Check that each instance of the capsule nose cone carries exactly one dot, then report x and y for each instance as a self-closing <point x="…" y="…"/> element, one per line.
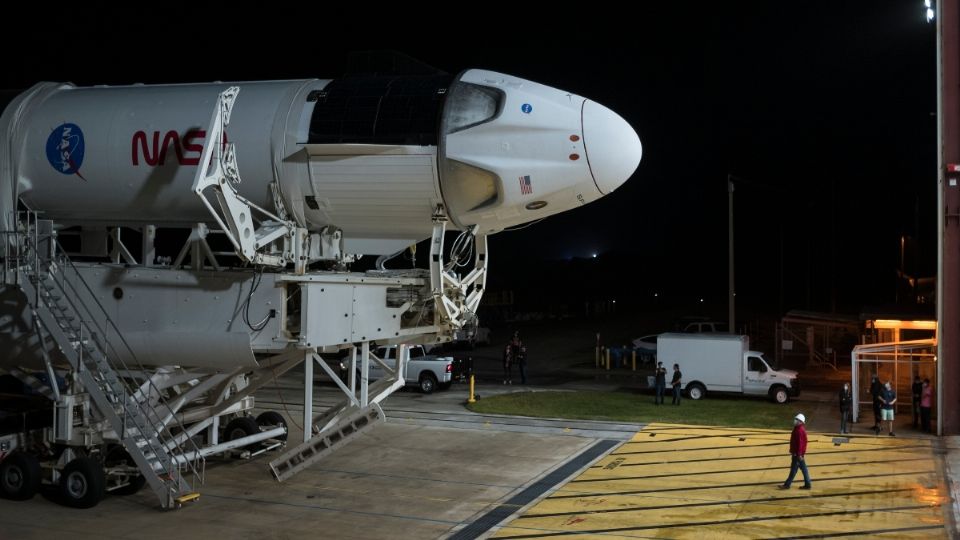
<point x="613" y="148"/>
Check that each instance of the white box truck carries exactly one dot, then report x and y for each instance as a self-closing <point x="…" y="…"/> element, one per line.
<point x="724" y="363"/>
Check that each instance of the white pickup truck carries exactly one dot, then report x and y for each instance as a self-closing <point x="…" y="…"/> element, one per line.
<point x="424" y="370"/>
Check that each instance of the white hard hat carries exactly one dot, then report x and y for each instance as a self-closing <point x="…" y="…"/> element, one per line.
<point x="800" y="417"/>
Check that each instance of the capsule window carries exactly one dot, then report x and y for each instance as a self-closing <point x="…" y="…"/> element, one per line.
<point x="467" y="188"/>
<point x="469" y="105"/>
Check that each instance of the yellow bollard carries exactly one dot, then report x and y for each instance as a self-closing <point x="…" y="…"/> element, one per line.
<point x="634" y="358"/>
<point x="608" y="359"/>
<point x="471" y="399"/>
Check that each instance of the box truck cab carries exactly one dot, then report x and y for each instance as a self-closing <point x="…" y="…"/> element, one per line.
<point x="724" y="363"/>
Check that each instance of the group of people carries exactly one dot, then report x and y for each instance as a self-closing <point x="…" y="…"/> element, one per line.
<point x="884" y="399"/>
<point x="660" y="383"/>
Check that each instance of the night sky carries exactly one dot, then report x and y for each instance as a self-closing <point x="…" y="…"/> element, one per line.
<point x="823" y="110"/>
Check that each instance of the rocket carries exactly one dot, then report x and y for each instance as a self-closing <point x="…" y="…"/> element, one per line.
<point x="153" y="352"/>
<point x="373" y="156"/>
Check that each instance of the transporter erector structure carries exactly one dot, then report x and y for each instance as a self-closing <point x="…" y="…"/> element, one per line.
<point x="147" y="355"/>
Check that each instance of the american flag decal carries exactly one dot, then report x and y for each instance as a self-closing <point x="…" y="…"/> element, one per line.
<point x="526" y="187"/>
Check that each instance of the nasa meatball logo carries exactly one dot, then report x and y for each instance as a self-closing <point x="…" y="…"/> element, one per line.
<point x="65" y="149"/>
<point x="526" y="108"/>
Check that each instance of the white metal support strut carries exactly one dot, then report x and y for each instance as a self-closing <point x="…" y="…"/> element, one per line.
<point x="456" y="298"/>
<point x="218" y="172"/>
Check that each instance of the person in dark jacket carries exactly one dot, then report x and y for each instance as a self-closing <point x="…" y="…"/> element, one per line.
<point x="507" y="365"/>
<point x="876" y="388"/>
<point x="518" y="355"/>
<point x="889" y="398"/>
<point x="916" y="390"/>
<point x="660" y="383"/>
<point x="846" y="402"/>
<point x="677" y="383"/>
<point x="798" y="448"/>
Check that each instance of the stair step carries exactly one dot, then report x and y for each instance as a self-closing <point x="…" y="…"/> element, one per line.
<point x="186" y="498"/>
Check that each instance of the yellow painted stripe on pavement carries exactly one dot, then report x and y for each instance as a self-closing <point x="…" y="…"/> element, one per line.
<point x="716" y="482"/>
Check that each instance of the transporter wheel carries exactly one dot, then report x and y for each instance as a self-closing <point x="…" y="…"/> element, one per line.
<point x="428" y="383"/>
<point x="241" y="427"/>
<point x="273" y="419"/>
<point x="82" y="483"/>
<point x="696" y="391"/>
<point x="779" y="394"/>
<point x="19" y="476"/>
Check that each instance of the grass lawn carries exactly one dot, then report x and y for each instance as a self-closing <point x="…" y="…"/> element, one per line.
<point x="631" y="407"/>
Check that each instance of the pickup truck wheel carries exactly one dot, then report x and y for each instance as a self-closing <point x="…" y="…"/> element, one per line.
<point x="696" y="391"/>
<point x="19" y="476"/>
<point x="779" y="394"/>
<point x="428" y="383"/>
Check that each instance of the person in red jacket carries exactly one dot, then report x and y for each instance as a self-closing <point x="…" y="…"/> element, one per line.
<point x="798" y="447"/>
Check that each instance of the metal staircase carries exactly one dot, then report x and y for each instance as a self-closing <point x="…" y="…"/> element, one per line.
<point x="67" y="310"/>
<point x="322" y="445"/>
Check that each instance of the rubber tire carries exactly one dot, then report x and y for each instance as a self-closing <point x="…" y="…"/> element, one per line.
<point x="19" y="476"/>
<point x="240" y="427"/>
<point x="696" y="391"/>
<point x="428" y="383"/>
<point x="82" y="483"/>
<point x="273" y="418"/>
<point x="779" y="394"/>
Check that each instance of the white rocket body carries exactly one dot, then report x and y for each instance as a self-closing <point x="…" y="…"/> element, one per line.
<point x="374" y="159"/>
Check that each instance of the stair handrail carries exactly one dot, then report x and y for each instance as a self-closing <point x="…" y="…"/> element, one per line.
<point x="70" y="291"/>
<point x="108" y="346"/>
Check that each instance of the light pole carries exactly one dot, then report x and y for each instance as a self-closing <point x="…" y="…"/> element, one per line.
<point x="730" y="284"/>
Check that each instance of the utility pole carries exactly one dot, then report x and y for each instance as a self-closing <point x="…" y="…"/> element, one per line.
<point x="731" y="290"/>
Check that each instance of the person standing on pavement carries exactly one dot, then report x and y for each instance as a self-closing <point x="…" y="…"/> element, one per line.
<point x="518" y="353"/>
<point x="889" y="397"/>
<point x="507" y="365"/>
<point x="676" y="382"/>
<point x="875" y="390"/>
<point x="660" y="383"/>
<point x="926" y="401"/>
<point x="798" y="449"/>
<point x="846" y="402"/>
<point x="916" y="390"/>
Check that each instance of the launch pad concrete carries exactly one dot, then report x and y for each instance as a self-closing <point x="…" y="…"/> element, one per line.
<point x="433" y="469"/>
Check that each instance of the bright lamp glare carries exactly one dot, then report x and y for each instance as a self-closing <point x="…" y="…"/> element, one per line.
<point x="926" y="3"/>
<point x="929" y="14"/>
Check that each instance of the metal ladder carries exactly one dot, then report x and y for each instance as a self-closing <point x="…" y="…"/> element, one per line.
<point x="326" y="442"/>
<point x="55" y="289"/>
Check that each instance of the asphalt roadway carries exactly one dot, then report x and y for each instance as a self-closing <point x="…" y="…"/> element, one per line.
<point x="436" y="470"/>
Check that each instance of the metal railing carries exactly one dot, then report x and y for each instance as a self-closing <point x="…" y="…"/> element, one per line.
<point x="101" y="330"/>
<point x="819" y="359"/>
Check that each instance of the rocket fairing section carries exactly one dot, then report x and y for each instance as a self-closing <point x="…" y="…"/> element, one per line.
<point x="372" y="156"/>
